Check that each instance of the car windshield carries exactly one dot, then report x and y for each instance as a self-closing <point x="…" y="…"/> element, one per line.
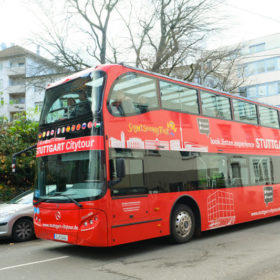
<point x="24" y="198"/>
<point x="76" y="98"/>
<point x="77" y="175"/>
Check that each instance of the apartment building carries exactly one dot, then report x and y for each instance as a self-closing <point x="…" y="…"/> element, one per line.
<point x="261" y="62"/>
<point x="23" y="77"/>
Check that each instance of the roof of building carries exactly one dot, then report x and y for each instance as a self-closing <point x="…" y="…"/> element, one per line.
<point x="17" y="51"/>
<point x="14" y="51"/>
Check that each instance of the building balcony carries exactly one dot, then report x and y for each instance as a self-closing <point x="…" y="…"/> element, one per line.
<point x="16" y="107"/>
<point x="16" y="71"/>
<point x="16" y="89"/>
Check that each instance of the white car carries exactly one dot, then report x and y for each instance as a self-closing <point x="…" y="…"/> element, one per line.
<point x="16" y="217"/>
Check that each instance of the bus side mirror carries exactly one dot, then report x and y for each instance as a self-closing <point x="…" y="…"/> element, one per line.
<point x="14" y="158"/>
<point x="120" y="168"/>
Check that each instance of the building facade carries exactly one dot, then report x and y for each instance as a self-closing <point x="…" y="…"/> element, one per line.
<point x="260" y="62"/>
<point x="23" y="77"/>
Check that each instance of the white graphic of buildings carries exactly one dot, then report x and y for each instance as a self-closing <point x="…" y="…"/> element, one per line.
<point x="156" y="145"/>
<point x="220" y="209"/>
<point x="135" y="143"/>
<point x="115" y="143"/>
<point x="175" y="145"/>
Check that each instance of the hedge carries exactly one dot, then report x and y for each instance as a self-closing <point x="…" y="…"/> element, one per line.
<point x="14" y="137"/>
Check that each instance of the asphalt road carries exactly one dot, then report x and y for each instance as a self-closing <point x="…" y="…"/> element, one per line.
<point x="248" y="251"/>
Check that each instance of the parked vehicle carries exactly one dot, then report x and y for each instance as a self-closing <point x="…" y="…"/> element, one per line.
<point x="16" y="217"/>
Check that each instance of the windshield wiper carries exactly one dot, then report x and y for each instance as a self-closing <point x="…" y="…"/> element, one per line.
<point x="58" y="194"/>
<point x="69" y="197"/>
<point x="40" y="200"/>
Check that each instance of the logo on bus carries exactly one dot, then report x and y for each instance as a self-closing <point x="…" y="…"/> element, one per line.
<point x="58" y="216"/>
<point x="268" y="195"/>
<point x="203" y="125"/>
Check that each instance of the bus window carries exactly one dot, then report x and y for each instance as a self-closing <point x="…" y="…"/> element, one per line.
<point x="215" y="105"/>
<point x="212" y="171"/>
<point x="238" y="171"/>
<point x="133" y="181"/>
<point x="245" y="112"/>
<point x="76" y="98"/>
<point x="133" y="94"/>
<point x="178" y="98"/>
<point x="268" y="117"/>
<point x="261" y="170"/>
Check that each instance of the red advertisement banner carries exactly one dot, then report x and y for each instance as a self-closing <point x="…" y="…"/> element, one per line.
<point x="61" y="146"/>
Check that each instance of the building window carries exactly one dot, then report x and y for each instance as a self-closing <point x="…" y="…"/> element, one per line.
<point x="251" y="91"/>
<point x="278" y="63"/>
<point x="271" y="65"/>
<point x="38" y="106"/>
<point x="261" y="90"/>
<point x="17" y="63"/>
<point x="272" y="88"/>
<point x="17" y="99"/>
<point x="257" y="48"/>
<point x="262" y="66"/>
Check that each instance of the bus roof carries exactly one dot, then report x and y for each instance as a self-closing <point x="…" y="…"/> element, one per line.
<point x="107" y="66"/>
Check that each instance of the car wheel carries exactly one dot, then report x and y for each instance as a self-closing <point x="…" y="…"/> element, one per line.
<point x="182" y="224"/>
<point x="23" y="230"/>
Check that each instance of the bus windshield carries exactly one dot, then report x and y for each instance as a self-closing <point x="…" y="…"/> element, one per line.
<point x="77" y="175"/>
<point x="79" y="97"/>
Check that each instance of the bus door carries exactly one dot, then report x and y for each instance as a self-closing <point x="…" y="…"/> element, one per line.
<point x="129" y="204"/>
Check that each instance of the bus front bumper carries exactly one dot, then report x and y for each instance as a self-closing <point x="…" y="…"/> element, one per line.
<point x="91" y="231"/>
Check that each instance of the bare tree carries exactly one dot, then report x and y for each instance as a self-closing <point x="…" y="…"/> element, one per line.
<point x="55" y="38"/>
<point x="168" y="37"/>
<point x="96" y="14"/>
<point x="217" y="69"/>
<point x="87" y="21"/>
<point x="170" y="40"/>
<point x="164" y="37"/>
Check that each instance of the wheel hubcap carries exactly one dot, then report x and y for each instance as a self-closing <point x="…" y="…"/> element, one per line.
<point x="23" y="230"/>
<point x="183" y="224"/>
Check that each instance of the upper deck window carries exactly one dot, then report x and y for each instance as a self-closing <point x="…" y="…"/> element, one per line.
<point x="73" y="99"/>
<point x="268" y="117"/>
<point x="245" y="112"/>
<point x="215" y="105"/>
<point x="178" y="98"/>
<point x="133" y="94"/>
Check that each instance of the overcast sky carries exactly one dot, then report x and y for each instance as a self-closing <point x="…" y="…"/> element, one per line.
<point x="248" y="19"/>
<point x="251" y="19"/>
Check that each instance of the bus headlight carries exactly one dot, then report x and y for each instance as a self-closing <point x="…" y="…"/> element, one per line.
<point x="90" y="223"/>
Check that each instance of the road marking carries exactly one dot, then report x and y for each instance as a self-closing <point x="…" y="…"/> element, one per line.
<point x="31" y="263"/>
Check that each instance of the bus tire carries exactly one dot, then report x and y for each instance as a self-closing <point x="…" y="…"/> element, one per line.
<point x="182" y="224"/>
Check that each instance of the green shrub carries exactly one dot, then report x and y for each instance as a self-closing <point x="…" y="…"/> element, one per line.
<point x="14" y="137"/>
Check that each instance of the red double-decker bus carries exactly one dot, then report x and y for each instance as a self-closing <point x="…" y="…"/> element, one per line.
<point x="126" y="155"/>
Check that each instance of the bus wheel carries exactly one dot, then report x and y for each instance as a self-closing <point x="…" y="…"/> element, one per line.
<point x="182" y="224"/>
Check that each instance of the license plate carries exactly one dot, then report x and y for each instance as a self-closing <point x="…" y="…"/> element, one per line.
<point x="62" y="237"/>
